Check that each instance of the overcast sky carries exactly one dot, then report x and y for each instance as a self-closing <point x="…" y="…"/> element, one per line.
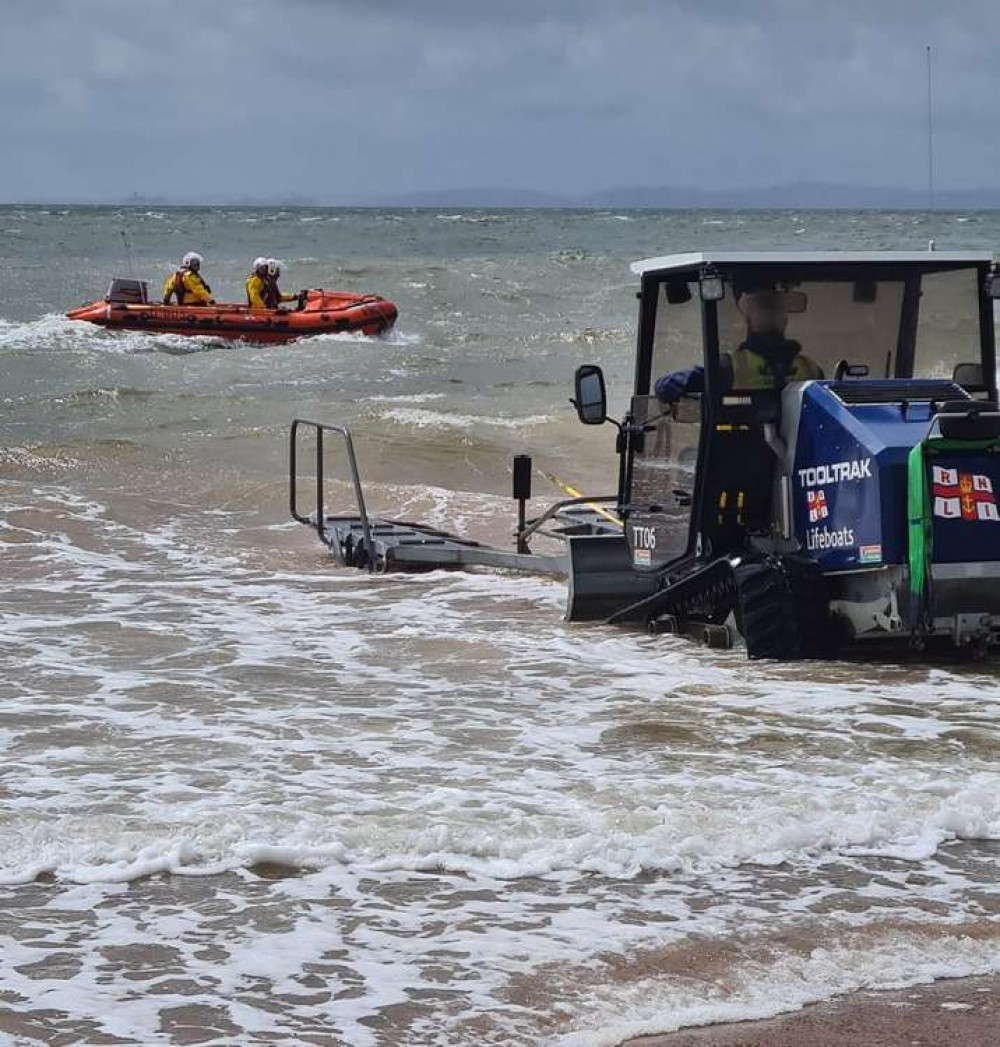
<point x="342" y="100"/>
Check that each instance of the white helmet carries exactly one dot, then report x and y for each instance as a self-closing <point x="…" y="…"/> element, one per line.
<point x="273" y="269"/>
<point x="260" y="265"/>
<point x="192" y="260"/>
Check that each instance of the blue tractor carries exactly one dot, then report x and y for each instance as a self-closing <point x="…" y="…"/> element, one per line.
<point x="811" y="457"/>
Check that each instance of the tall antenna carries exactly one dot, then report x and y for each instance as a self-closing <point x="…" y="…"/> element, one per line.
<point x="129" y="260"/>
<point x="930" y="135"/>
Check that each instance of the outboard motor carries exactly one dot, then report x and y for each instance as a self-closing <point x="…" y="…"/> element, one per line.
<point x="126" y="291"/>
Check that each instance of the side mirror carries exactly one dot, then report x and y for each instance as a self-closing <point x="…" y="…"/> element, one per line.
<point x="590" y="400"/>
<point x="992" y="285"/>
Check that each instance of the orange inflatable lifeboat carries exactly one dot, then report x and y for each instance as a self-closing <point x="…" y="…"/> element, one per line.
<point x="126" y="307"/>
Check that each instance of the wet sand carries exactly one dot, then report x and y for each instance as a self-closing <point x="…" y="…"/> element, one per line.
<point x="962" y="1011"/>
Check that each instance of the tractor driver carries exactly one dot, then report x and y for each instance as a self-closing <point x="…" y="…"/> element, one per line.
<point x="765" y="359"/>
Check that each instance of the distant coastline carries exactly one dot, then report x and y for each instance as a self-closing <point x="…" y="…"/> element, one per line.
<point x="797" y="196"/>
<point x="812" y="196"/>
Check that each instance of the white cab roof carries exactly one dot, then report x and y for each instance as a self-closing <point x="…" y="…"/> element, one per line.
<point x="669" y="262"/>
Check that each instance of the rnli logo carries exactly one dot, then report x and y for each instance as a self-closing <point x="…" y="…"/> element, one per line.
<point x="816" y="501"/>
<point x="964" y="496"/>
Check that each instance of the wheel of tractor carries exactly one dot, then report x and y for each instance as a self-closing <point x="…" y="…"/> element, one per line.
<point x="782" y="609"/>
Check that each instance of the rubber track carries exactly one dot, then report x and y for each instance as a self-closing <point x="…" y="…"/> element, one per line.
<point x="782" y="609"/>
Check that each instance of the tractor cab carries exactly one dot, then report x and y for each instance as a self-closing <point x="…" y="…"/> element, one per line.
<point x="780" y="454"/>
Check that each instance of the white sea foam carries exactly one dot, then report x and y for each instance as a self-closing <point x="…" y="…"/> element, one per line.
<point x="394" y="336"/>
<point x="57" y="333"/>
<point x="746" y="812"/>
<point x="422" y="419"/>
<point x="405" y="398"/>
<point x="489" y="790"/>
<point x="53" y="331"/>
<point x="784" y="983"/>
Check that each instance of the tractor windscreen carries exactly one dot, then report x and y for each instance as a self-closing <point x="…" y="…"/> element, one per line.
<point x="773" y="331"/>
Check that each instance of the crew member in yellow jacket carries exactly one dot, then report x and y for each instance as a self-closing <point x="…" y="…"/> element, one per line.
<point x="262" y="286"/>
<point x="273" y="272"/>
<point x="765" y="359"/>
<point x="187" y="284"/>
<point x="259" y="293"/>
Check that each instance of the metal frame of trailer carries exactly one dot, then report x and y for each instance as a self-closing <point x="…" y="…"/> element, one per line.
<point x="380" y="544"/>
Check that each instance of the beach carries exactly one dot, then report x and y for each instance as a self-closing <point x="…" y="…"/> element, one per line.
<point x="965" y="1011"/>
<point x="249" y="797"/>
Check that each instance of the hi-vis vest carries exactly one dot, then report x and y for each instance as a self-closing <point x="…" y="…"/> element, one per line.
<point x="753" y="371"/>
<point x="189" y="287"/>
<point x="261" y="292"/>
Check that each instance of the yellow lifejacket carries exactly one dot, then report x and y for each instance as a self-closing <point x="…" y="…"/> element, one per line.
<point x="257" y="292"/>
<point x="189" y="288"/>
<point x="263" y="292"/>
<point x="753" y="371"/>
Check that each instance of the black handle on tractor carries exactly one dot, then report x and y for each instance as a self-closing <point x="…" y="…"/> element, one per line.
<point x="319" y="523"/>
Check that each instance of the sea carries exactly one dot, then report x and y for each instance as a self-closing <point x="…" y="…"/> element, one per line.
<point x="249" y="798"/>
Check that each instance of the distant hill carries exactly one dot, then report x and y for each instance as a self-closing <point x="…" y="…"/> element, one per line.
<point x="794" y="196"/>
<point x="485" y="198"/>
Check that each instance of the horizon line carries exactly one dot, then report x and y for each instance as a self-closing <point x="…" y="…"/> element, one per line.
<point x="942" y="207"/>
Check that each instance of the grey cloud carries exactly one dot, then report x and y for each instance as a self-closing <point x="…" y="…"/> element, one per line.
<point x="341" y="99"/>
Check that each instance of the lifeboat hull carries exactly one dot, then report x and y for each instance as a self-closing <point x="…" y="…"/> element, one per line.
<point x="323" y="312"/>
